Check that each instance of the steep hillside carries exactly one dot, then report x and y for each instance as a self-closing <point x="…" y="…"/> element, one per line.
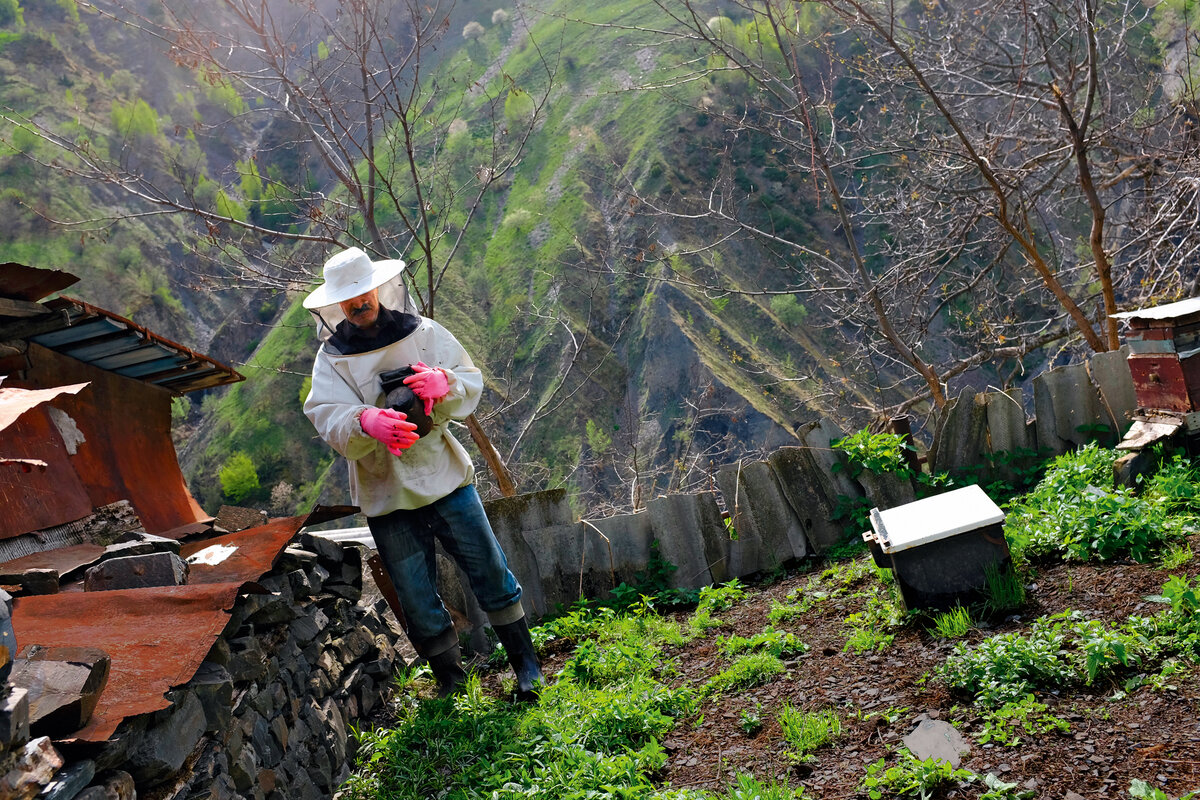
<point x="616" y="371"/>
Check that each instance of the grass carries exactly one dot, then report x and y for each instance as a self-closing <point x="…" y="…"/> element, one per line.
<point x="599" y="730"/>
<point x="807" y="731"/>
<point x="953" y="624"/>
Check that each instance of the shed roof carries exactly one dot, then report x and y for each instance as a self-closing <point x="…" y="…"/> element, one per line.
<point x="1180" y="312"/>
<point x="99" y="337"/>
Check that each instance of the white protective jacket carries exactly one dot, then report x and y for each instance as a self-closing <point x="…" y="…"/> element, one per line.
<point x="344" y="385"/>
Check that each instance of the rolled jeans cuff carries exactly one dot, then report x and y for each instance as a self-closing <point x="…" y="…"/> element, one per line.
<point x="506" y="616"/>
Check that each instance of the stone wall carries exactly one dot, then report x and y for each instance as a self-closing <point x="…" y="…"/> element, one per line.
<point x="267" y="715"/>
<point x="783" y="508"/>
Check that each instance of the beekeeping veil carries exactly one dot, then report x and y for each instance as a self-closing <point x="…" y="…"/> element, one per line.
<point x="349" y="274"/>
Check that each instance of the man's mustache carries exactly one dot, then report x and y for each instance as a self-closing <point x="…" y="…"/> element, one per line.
<point x="355" y="311"/>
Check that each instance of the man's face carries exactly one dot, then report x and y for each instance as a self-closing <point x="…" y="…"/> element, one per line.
<point x="362" y="311"/>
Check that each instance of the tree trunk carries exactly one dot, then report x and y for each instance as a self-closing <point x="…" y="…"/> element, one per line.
<point x="495" y="464"/>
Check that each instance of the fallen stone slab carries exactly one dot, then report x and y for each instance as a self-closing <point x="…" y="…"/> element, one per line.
<point x="64" y="685"/>
<point x="236" y="518"/>
<point x="64" y="560"/>
<point x="933" y="738"/>
<point x="40" y="581"/>
<point x="139" y="543"/>
<point x="136" y="572"/>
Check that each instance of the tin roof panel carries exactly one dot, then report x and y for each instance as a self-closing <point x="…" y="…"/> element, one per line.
<point x="1183" y="308"/>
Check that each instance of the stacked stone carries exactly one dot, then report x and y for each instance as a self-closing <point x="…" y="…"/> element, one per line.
<point x="267" y="715"/>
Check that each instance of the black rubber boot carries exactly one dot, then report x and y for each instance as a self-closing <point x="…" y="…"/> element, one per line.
<point x="448" y="670"/>
<point x="518" y="646"/>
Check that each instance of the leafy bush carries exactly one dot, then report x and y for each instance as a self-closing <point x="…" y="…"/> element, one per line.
<point x="777" y="643"/>
<point x="1026" y="715"/>
<point x="1070" y="514"/>
<point x="1061" y="650"/>
<point x="239" y="478"/>
<point x="912" y="777"/>
<point x="134" y="119"/>
<point x="880" y="453"/>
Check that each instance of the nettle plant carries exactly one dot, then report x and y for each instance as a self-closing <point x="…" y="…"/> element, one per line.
<point x="1075" y="513"/>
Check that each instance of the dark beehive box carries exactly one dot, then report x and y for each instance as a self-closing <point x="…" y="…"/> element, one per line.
<point x="941" y="548"/>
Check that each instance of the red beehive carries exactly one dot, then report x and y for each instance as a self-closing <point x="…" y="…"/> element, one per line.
<point x="1164" y="361"/>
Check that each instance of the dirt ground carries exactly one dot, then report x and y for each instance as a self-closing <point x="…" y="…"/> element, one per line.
<point x="1154" y="736"/>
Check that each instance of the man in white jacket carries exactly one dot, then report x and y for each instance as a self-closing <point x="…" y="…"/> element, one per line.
<point x="412" y="488"/>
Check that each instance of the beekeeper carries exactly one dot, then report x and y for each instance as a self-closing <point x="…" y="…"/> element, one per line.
<point x="412" y="488"/>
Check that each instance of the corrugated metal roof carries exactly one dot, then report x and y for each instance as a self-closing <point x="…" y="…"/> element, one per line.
<point x="1182" y="308"/>
<point x="115" y="344"/>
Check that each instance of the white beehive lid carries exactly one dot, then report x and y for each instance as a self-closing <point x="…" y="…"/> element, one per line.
<point x="933" y="518"/>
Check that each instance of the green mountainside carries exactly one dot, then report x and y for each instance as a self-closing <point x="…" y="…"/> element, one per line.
<point x="661" y="381"/>
<point x="613" y="366"/>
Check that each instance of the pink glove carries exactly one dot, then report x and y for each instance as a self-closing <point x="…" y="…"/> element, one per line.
<point x="430" y="384"/>
<point x="390" y="427"/>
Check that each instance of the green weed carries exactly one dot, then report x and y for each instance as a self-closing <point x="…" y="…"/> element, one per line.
<point x="1141" y="790"/>
<point x="911" y="777"/>
<point x="748" y="671"/>
<point x="1070" y="513"/>
<point x="750" y="720"/>
<point x="1175" y="556"/>
<point x="953" y="624"/>
<point x="1005" y="724"/>
<point x="1003" y="590"/>
<point x="1061" y="650"/>
<point x="721" y="598"/>
<point x="807" y="731"/>
<point x="880" y="453"/>
<point x="778" y="643"/>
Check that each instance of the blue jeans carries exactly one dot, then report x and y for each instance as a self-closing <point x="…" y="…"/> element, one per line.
<point x="405" y="540"/>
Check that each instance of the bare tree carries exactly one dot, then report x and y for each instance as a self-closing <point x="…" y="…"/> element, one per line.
<point x="349" y="137"/>
<point x="990" y="175"/>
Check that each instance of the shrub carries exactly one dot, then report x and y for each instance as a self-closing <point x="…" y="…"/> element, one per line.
<point x="134" y="119"/>
<point x="239" y="478"/>
<point x="1070" y="514"/>
<point x="789" y="310"/>
<point x="880" y="453"/>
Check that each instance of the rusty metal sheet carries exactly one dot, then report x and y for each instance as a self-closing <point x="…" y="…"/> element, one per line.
<point x="14" y="402"/>
<point x="156" y="638"/>
<point x="20" y="282"/>
<point x="254" y="552"/>
<point x="127" y="453"/>
<point x="31" y="501"/>
<point x="95" y="335"/>
<point x="1159" y="382"/>
<point x="64" y="560"/>
<point x="191" y="529"/>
